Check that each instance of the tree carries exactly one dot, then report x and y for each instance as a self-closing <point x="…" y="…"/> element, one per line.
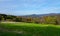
<point x="29" y="20"/>
<point x="58" y="19"/>
<point x="0" y="19"/>
<point x="56" y="22"/>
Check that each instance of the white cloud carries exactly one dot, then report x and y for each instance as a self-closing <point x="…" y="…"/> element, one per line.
<point x="24" y="7"/>
<point x="27" y="12"/>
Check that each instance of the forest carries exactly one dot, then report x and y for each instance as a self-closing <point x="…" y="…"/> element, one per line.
<point x="50" y="19"/>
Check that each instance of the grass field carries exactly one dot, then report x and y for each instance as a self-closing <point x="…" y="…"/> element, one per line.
<point x="28" y="29"/>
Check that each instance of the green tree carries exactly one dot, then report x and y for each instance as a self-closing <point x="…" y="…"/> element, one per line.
<point x="0" y="19"/>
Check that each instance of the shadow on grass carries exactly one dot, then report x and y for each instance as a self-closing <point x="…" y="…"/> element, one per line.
<point x="31" y="31"/>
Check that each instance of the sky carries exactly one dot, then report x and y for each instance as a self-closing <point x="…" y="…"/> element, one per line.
<point x="27" y="7"/>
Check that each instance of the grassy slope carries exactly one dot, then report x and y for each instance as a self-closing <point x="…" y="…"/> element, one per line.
<point x="28" y="29"/>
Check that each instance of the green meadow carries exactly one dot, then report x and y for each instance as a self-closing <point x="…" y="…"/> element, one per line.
<point x="29" y="29"/>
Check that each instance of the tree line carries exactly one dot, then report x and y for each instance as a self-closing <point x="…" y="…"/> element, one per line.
<point x="43" y="19"/>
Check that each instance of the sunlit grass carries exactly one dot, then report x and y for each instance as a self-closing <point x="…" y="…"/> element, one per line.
<point x="29" y="29"/>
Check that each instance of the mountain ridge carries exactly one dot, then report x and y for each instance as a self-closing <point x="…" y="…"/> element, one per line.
<point x="40" y="15"/>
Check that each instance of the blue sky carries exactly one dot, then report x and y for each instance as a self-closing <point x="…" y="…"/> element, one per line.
<point x="26" y="7"/>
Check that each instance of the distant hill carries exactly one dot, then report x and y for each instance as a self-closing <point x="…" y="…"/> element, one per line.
<point x="34" y="15"/>
<point x="40" y="15"/>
